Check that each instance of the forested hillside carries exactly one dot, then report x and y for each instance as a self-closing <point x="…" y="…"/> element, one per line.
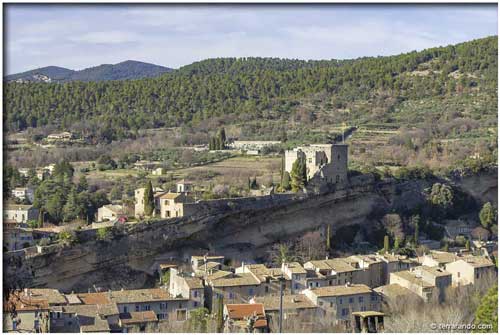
<point x="406" y="89"/>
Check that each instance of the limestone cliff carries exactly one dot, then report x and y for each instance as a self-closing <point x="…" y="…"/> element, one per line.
<point x="237" y="228"/>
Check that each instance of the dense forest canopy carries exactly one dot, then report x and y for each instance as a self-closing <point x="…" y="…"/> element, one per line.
<point x="373" y="89"/>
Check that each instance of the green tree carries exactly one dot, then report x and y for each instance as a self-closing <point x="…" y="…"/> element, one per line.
<point x="441" y="195"/>
<point x="220" y="314"/>
<point x="487" y="312"/>
<point x="467" y="245"/>
<point x="415" y="222"/>
<point x="396" y="243"/>
<point x="73" y="208"/>
<point x="149" y="200"/>
<point x="103" y="233"/>
<point x="298" y="174"/>
<point x="285" y="183"/>
<point x="328" y="238"/>
<point x="82" y="184"/>
<point x="198" y="320"/>
<point x="487" y="215"/>
<point x="386" y="243"/>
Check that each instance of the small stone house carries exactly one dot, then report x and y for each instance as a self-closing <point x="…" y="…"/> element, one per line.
<point x="24" y="193"/>
<point x="470" y="270"/>
<point x="187" y="287"/>
<point x="173" y="205"/>
<point x="425" y="281"/>
<point x="338" y="302"/>
<point x="110" y="212"/>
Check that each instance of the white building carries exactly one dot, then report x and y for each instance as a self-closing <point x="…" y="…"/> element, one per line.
<point x="19" y="213"/>
<point x="23" y="193"/>
<point x="110" y="212"/>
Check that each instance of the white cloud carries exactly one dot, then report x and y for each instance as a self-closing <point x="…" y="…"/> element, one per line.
<point x="106" y="37"/>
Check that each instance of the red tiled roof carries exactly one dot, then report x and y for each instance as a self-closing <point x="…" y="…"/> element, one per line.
<point x="240" y="311"/>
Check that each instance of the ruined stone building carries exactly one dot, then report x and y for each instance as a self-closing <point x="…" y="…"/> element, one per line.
<point x="326" y="161"/>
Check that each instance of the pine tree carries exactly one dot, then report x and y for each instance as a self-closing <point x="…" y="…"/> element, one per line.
<point x="149" y="200"/>
<point x="487" y="311"/>
<point x="82" y="184"/>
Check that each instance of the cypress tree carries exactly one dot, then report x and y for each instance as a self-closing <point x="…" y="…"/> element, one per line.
<point x="220" y="315"/>
<point x="149" y="200"/>
<point x="285" y="186"/>
<point x="298" y="174"/>
<point x="386" y="243"/>
<point x="328" y="245"/>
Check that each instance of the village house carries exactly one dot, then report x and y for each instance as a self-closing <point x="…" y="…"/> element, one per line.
<point x="23" y="193"/>
<point x="19" y="213"/>
<point x="184" y="186"/>
<point x="80" y="319"/>
<point x="173" y="205"/>
<point x="158" y="300"/>
<point x="438" y="258"/>
<point x="329" y="272"/>
<point x="395" y="263"/>
<point x="204" y="264"/>
<point x="139" y="200"/>
<point x="373" y="269"/>
<point x="138" y="322"/>
<point x="271" y="278"/>
<point x="471" y="270"/>
<point x="328" y="161"/>
<point x="425" y="281"/>
<point x="233" y="288"/>
<point x="296" y="274"/>
<point x="110" y="212"/>
<point x="392" y="293"/>
<point x="32" y="314"/>
<point x="248" y="318"/>
<point x="188" y="287"/>
<point x="296" y="307"/>
<point x="16" y="237"/>
<point x="338" y="302"/>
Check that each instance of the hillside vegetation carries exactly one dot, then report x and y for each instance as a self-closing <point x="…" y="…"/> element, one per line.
<point x="430" y="106"/>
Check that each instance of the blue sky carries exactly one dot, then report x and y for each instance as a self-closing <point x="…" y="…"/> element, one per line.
<point x="79" y="36"/>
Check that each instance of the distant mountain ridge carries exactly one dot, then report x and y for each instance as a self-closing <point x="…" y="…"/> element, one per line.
<point x="122" y="71"/>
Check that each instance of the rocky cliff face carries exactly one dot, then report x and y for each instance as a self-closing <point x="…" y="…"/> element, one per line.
<point x="241" y="229"/>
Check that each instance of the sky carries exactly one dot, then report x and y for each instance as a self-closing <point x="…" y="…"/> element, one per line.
<point x="81" y="36"/>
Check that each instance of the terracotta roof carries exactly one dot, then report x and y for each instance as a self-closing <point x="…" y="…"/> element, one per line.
<point x="338" y="265"/>
<point x="98" y="298"/>
<point x="290" y="302"/>
<point x="170" y="195"/>
<point x="341" y="290"/>
<point x="138" y="317"/>
<point x="218" y="274"/>
<point x="22" y="302"/>
<point x="242" y="311"/>
<point x="107" y="309"/>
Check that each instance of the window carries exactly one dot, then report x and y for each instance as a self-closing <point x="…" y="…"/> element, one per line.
<point x="195" y="304"/>
<point x="360" y="299"/>
<point x="125" y="309"/>
<point x="330" y="283"/>
<point x="146" y="307"/>
<point x="14" y="325"/>
<point x="310" y="284"/>
<point x="231" y="295"/>
<point x="250" y="291"/>
<point x="266" y="288"/>
<point x="142" y="327"/>
<point x="331" y="304"/>
<point x="195" y="294"/>
<point x="296" y="286"/>
<point x="351" y="300"/>
<point x="137" y="308"/>
<point x="345" y="311"/>
<point x="36" y="324"/>
<point x="374" y="298"/>
<point x="340" y="301"/>
<point x="337" y="178"/>
<point x="181" y="315"/>
<point x="317" y="284"/>
<point x="477" y="275"/>
<point x="163" y="305"/>
<point x="363" y="308"/>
